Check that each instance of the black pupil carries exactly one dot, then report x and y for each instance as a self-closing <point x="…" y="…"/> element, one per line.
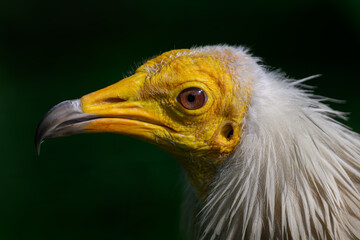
<point x="191" y="97"/>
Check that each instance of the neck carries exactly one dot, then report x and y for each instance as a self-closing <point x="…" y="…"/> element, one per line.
<point x="295" y="174"/>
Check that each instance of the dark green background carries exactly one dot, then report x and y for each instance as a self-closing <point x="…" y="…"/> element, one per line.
<point x="105" y="186"/>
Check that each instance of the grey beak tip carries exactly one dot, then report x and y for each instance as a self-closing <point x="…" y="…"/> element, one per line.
<point x="64" y="119"/>
<point x="38" y="140"/>
<point x="37" y="147"/>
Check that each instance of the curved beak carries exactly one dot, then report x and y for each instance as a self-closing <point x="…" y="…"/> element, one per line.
<point x="118" y="108"/>
<point x="66" y="118"/>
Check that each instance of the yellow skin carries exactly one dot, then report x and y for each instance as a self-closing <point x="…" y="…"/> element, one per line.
<point x="147" y="106"/>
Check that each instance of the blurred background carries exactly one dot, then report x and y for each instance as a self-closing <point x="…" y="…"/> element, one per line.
<point x="104" y="186"/>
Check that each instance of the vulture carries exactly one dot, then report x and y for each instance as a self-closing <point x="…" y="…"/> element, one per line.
<point x="263" y="155"/>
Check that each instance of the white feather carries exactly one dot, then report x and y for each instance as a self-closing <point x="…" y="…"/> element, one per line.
<point x="295" y="173"/>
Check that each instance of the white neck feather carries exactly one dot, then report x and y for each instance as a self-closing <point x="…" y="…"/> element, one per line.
<point x="295" y="174"/>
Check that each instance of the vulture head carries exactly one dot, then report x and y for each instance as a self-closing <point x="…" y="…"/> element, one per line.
<point x="264" y="157"/>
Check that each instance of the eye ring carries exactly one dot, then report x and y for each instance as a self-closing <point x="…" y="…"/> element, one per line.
<point x="192" y="98"/>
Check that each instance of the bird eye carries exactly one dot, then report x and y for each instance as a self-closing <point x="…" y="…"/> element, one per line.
<point x="192" y="98"/>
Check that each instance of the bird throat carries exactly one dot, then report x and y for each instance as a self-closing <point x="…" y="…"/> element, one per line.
<point x="200" y="173"/>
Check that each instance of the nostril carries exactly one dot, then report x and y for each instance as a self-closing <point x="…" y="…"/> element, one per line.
<point x="114" y="100"/>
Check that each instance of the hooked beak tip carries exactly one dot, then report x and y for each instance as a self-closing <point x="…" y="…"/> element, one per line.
<point x="59" y="121"/>
<point x="38" y="142"/>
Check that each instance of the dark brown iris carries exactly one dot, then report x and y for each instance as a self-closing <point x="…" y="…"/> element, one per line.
<point x="192" y="98"/>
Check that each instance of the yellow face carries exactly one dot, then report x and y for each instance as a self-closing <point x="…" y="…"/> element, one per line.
<point x="183" y="101"/>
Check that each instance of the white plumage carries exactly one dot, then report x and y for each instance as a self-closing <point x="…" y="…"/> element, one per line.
<point x="294" y="175"/>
